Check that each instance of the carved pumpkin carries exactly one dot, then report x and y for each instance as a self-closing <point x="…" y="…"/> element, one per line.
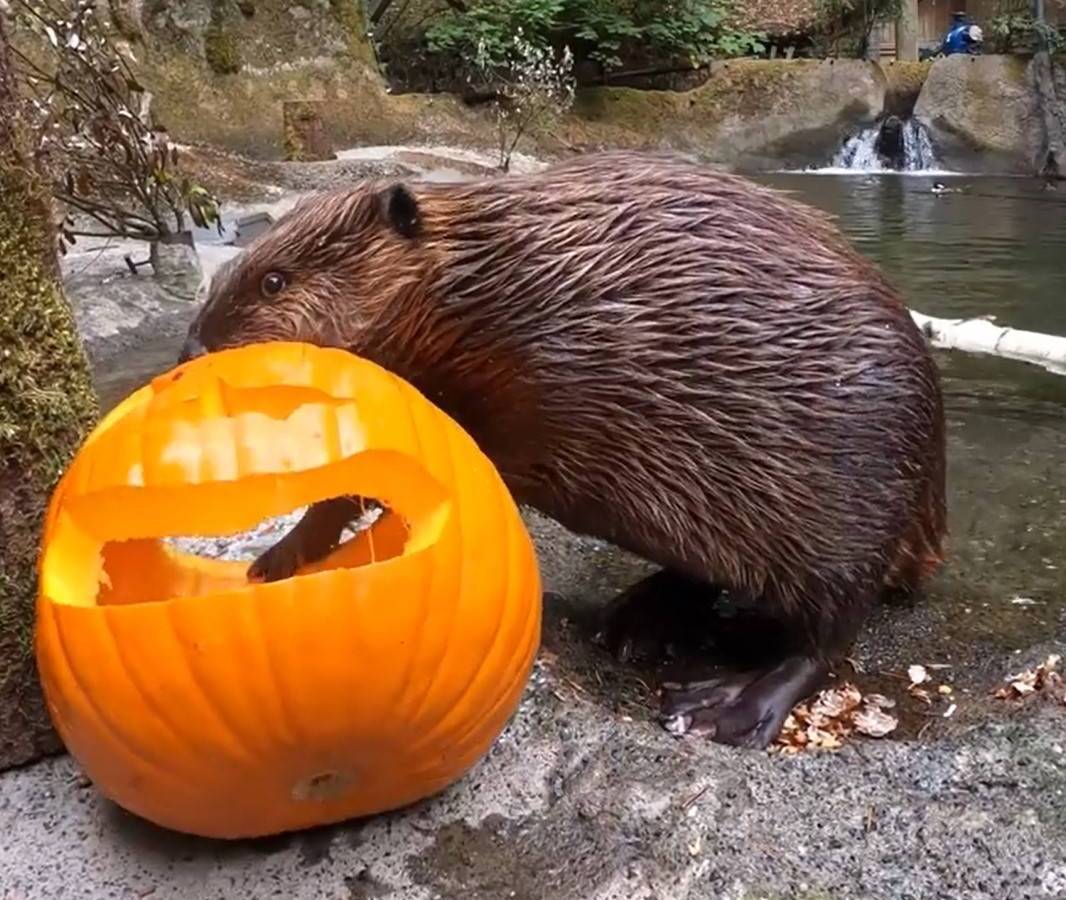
<point x="372" y="679"/>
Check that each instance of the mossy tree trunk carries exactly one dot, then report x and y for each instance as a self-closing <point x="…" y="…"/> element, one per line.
<point x="46" y="403"/>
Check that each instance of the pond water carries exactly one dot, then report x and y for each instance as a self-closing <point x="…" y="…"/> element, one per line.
<point x="997" y="248"/>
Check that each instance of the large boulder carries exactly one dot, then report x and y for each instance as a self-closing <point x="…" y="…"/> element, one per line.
<point x="983" y="114"/>
<point x="750" y="115"/>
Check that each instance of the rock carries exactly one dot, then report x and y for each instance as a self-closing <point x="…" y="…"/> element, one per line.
<point x="751" y="114"/>
<point x="116" y="309"/>
<point x="905" y="80"/>
<point x="306" y="139"/>
<point x="176" y="265"/>
<point x="46" y="405"/>
<point x="983" y="113"/>
<point x="890" y="145"/>
<point x="251" y="226"/>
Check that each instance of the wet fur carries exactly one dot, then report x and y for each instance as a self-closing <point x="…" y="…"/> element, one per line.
<point x="696" y="368"/>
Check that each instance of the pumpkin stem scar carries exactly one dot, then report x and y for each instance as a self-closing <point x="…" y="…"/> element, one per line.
<point x="323" y="786"/>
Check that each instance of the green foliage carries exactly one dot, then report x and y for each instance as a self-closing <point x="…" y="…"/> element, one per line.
<point x="489" y="28"/>
<point x="1014" y="28"/>
<point x="697" y="30"/>
<point x="533" y="88"/>
<point x="844" y="26"/>
<point x="221" y="51"/>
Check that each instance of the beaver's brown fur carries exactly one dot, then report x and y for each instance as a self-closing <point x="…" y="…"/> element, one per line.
<point x="693" y="367"/>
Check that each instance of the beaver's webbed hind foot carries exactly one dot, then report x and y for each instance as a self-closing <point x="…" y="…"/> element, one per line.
<point x="743" y="710"/>
<point x="658" y="616"/>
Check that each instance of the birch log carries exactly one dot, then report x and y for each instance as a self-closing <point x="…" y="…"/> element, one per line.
<point x="984" y="336"/>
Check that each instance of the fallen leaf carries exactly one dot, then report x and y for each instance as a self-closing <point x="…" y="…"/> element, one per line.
<point x="1022" y="601"/>
<point x="917" y="674"/>
<point x="875" y="722"/>
<point x="834" y="702"/>
<point x="921" y="694"/>
<point x="1044" y="679"/>
<point x="833" y="716"/>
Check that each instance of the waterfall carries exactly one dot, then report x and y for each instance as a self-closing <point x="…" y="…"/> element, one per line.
<point x="859" y="153"/>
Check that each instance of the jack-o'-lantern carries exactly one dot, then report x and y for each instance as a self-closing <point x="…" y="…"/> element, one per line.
<point x="225" y="707"/>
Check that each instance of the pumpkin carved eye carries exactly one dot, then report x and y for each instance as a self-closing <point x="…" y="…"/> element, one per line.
<point x="273" y="284"/>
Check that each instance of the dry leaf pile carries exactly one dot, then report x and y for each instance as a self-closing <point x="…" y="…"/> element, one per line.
<point x="924" y="688"/>
<point x="836" y="714"/>
<point x="1045" y="679"/>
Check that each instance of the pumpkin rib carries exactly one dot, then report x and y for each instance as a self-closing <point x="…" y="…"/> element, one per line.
<point x="287" y="719"/>
<point x="418" y="452"/>
<point x="441" y="424"/>
<point x="204" y="691"/>
<point x="431" y="731"/>
<point x="529" y="627"/>
<point x="431" y="682"/>
<point x="116" y="734"/>
<point x="138" y="688"/>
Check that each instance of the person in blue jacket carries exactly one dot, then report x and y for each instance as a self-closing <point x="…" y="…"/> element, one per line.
<point x="962" y="36"/>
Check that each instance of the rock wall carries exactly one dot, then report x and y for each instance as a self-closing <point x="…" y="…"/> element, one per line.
<point x="220" y="70"/>
<point x="749" y="115"/>
<point x="983" y="113"/>
<point x="905" y="82"/>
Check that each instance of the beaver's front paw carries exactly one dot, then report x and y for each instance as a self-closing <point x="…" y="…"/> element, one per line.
<point x="658" y="617"/>
<point x="279" y="562"/>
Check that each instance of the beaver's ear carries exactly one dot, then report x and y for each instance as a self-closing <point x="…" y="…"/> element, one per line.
<point x="401" y="210"/>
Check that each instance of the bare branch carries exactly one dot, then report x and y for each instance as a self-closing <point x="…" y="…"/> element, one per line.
<point x="95" y="136"/>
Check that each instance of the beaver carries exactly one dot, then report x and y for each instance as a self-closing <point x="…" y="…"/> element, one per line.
<point x="693" y="367"/>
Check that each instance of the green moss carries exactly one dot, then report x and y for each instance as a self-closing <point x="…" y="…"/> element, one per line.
<point x="351" y="15"/>
<point x="748" y="89"/>
<point x="46" y="404"/>
<point x="905" y="80"/>
<point x="635" y="118"/>
<point x="221" y="51"/>
<point x="244" y="112"/>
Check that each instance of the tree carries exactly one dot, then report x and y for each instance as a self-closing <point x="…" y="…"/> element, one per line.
<point x="46" y="405"/>
<point x="115" y="173"/>
<point x="533" y="87"/>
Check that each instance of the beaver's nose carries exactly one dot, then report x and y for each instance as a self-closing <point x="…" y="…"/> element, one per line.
<point x="191" y="349"/>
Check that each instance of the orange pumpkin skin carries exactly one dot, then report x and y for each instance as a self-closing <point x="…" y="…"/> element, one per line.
<point x="371" y="680"/>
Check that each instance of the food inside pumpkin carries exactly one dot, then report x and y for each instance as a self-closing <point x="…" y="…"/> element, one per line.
<point x="146" y="570"/>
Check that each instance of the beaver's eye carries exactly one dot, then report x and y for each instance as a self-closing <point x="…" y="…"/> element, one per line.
<point x="273" y="284"/>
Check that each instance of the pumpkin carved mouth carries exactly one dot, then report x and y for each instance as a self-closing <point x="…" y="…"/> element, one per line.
<point x="233" y="457"/>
